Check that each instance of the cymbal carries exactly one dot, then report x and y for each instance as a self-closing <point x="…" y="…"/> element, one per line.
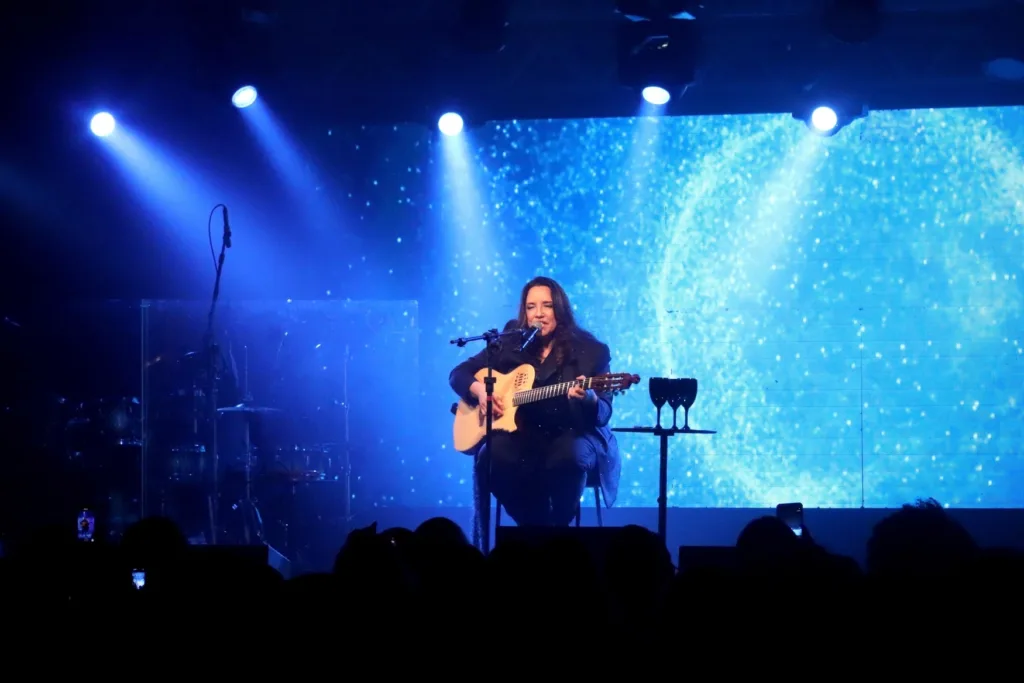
<point x="243" y="408"/>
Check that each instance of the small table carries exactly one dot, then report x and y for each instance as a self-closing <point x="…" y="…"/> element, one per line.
<point x="663" y="433"/>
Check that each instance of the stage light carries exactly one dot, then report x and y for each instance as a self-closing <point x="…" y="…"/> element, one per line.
<point x="450" y="124"/>
<point x="244" y="97"/>
<point x="824" y="119"/>
<point x="102" y="124"/>
<point x="655" y="95"/>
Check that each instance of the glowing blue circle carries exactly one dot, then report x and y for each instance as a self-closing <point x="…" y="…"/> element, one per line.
<point x="450" y="124"/>
<point x="655" y="95"/>
<point x="824" y="119"/>
<point x="244" y="97"/>
<point x="102" y="124"/>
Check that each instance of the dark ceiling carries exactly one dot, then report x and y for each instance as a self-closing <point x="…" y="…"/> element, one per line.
<point x="398" y="60"/>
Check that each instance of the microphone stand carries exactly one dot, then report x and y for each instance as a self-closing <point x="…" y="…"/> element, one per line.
<point x="213" y="380"/>
<point x="482" y="531"/>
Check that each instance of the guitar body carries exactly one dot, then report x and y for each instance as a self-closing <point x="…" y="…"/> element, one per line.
<point x="515" y="389"/>
<point x="470" y="428"/>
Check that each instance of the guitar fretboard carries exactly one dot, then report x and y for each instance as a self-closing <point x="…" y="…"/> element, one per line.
<point x="542" y="393"/>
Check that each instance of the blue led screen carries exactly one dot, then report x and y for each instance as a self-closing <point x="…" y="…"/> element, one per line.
<point x="852" y="307"/>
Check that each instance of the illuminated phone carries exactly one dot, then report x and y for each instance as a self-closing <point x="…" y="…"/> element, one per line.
<point x="86" y="525"/>
<point x="793" y="516"/>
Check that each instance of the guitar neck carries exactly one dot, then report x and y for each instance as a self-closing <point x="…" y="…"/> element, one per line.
<point x="552" y="391"/>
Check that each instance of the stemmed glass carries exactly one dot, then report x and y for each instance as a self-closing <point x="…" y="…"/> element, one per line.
<point x="658" y="388"/>
<point x="675" y="398"/>
<point x="687" y="395"/>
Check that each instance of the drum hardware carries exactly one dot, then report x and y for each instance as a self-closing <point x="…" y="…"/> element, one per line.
<point x="244" y="486"/>
<point x="251" y="520"/>
<point x="99" y="442"/>
<point x="290" y="513"/>
<point x="246" y="396"/>
<point x="248" y="413"/>
<point x="187" y="463"/>
<point x="250" y="410"/>
<point x="199" y="454"/>
<point x="98" y="430"/>
<point x="213" y="378"/>
<point x="300" y="463"/>
<point x="334" y="465"/>
<point x="335" y="459"/>
<point x="346" y="454"/>
<point x="182" y="434"/>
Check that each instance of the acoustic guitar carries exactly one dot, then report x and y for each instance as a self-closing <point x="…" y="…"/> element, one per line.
<point x="516" y="389"/>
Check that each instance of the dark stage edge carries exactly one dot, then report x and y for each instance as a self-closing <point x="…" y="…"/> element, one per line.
<point x="844" y="531"/>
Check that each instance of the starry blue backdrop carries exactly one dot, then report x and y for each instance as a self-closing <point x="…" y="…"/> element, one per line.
<point x="851" y="306"/>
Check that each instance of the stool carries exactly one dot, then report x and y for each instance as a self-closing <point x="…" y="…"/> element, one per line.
<point x="593" y="482"/>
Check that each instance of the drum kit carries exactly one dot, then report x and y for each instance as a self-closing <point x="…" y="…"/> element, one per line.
<point x="224" y="473"/>
<point x="192" y="444"/>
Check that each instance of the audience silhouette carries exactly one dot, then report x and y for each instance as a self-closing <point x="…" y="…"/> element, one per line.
<point x="531" y="589"/>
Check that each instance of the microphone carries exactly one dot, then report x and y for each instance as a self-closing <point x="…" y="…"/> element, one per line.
<point x="227" y="228"/>
<point x="529" y="333"/>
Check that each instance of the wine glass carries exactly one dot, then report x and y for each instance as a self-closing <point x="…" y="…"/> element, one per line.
<point x="675" y="397"/>
<point x="656" y="387"/>
<point x="688" y="393"/>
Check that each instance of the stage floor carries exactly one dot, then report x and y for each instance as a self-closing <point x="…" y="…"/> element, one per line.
<point x="843" y="531"/>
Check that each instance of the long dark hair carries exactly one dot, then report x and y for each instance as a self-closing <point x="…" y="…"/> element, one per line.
<point x="567" y="330"/>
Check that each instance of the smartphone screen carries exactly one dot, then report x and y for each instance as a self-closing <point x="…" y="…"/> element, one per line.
<point x="86" y="525"/>
<point x="793" y="516"/>
<point x="138" y="578"/>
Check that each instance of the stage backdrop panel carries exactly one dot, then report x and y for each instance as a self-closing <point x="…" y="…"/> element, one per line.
<point x="852" y="306"/>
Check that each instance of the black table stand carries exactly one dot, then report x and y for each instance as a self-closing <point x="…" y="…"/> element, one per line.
<point x="663" y="435"/>
<point x="482" y="531"/>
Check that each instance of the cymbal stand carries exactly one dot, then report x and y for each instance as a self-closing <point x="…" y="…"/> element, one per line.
<point x="250" y="511"/>
<point x="247" y="399"/>
<point x="246" y="505"/>
<point x="246" y="396"/>
<point x="143" y="411"/>
<point x="346" y="454"/>
<point x="345" y="467"/>
<point x="214" y="499"/>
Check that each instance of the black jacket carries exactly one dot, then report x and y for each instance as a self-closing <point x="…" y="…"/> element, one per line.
<point x="587" y="357"/>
